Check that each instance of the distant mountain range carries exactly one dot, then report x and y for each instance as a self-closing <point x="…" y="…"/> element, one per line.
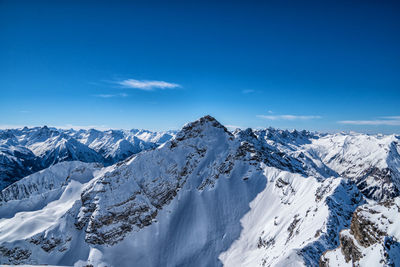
<point x="202" y="196"/>
<point x="25" y="151"/>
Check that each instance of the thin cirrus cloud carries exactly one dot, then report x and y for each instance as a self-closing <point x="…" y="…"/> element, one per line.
<point x="288" y="117"/>
<point x="111" y="95"/>
<point x="387" y="120"/>
<point x="147" y="85"/>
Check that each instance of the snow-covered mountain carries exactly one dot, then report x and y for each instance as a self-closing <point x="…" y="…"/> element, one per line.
<point x="371" y="161"/>
<point x="210" y="197"/>
<point x="25" y="151"/>
<point x="16" y="161"/>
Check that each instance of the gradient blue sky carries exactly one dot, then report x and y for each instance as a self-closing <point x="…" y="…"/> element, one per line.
<point x="317" y="65"/>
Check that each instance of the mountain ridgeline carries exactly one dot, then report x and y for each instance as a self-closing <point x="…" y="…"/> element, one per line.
<point x="28" y="150"/>
<point x="202" y="196"/>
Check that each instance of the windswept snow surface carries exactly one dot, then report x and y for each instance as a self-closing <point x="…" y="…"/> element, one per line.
<point x="209" y="197"/>
<point x="290" y="215"/>
<point x="27" y="224"/>
<point x="36" y="190"/>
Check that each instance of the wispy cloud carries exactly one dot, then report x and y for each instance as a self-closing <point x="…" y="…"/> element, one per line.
<point x="391" y="117"/>
<point x="147" y="85"/>
<point x="248" y="91"/>
<point x="388" y="120"/>
<point x="111" y="95"/>
<point x="288" y="117"/>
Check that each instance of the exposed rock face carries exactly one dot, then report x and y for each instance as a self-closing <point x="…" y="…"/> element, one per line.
<point x="365" y="231"/>
<point x="107" y="223"/>
<point x="15" y="255"/>
<point x="373" y="230"/>
<point x="109" y="217"/>
<point x="49" y="244"/>
<point x="349" y="249"/>
<point x="255" y="143"/>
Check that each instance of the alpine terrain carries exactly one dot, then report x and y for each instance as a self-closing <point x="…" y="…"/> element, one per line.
<point x="25" y="151"/>
<point x="202" y="196"/>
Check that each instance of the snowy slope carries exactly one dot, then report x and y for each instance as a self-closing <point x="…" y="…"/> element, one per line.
<point x="302" y="221"/>
<point x="39" y="187"/>
<point x="208" y="197"/>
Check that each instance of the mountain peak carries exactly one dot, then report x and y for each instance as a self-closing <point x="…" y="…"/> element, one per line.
<point x="203" y="122"/>
<point x="198" y="127"/>
<point x="208" y="118"/>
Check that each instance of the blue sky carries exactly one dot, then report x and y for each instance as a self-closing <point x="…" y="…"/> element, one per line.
<point x="317" y="65"/>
